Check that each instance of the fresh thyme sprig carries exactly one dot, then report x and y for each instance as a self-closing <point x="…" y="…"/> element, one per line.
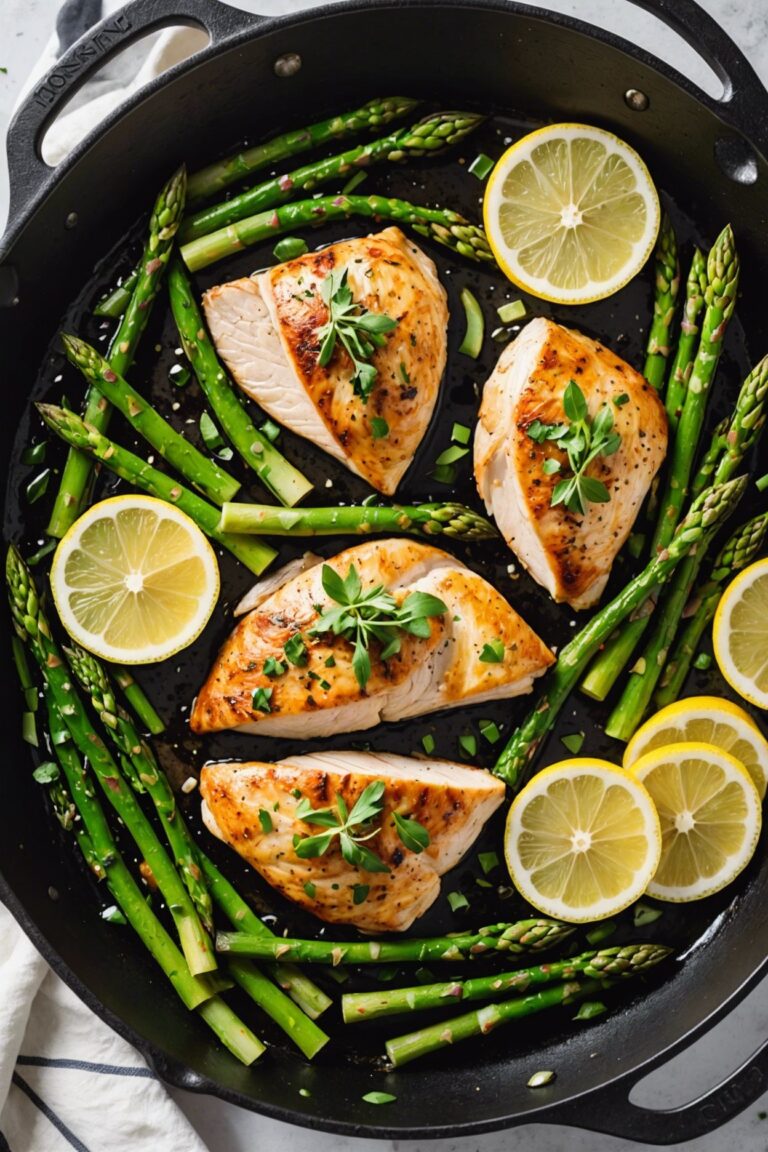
<point x="583" y="440"/>
<point x="359" y="332"/>
<point x="362" y="616"/>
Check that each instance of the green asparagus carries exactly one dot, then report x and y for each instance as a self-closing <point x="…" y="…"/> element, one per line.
<point x="616" y="963"/>
<point x="452" y="520"/>
<point x="138" y="700"/>
<point x="163" y="225"/>
<point x="115" y="302"/>
<point x="32" y="627"/>
<point x="739" y="551"/>
<point x="204" y="473"/>
<point x="375" y="114"/>
<point x="428" y="138"/>
<point x="522" y="936"/>
<point x="666" y="286"/>
<point x="440" y="224"/>
<point x="259" y="453"/>
<point x="709" y="511"/>
<point x="255" y="555"/>
<point x="688" y="340"/>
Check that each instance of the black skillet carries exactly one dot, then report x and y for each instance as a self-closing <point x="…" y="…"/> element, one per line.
<point x="65" y="241"/>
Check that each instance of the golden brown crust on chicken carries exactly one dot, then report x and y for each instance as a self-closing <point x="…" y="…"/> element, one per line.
<point x="570" y="555"/>
<point x="439" y="671"/>
<point x="451" y="801"/>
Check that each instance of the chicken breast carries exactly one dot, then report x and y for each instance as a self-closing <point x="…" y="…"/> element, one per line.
<point x="451" y="801"/>
<point x="323" y="697"/>
<point x="266" y="330"/>
<point x="569" y="554"/>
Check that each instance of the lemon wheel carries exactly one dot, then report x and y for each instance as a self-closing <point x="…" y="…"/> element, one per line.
<point x="571" y="213"/>
<point x="134" y="580"/>
<point x="582" y="840"/>
<point x="740" y="634"/>
<point x="710" y="818"/>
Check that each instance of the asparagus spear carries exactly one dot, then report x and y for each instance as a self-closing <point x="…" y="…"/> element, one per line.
<point x="616" y="963"/>
<point x="198" y="469"/>
<point x="274" y="471"/>
<point x="744" y="428"/>
<point x="739" y="551"/>
<point x="666" y="286"/>
<point x="163" y="224"/>
<point x="452" y="520"/>
<point x="523" y="936"/>
<point x="255" y="555"/>
<point x="688" y="340"/>
<point x="720" y="299"/>
<point x="428" y="138"/>
<point x="32" y="627"/>
<point x="375" y="114"/>
<point x="707" y="512"/>
<point x="138" y="700"/>
<point x="440" y="224"/>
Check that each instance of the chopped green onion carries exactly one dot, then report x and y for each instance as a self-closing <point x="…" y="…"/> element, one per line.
<point x="379" y="428"/>
<point x="296" y="650"/>
<point x="35" y="454"/>
<point x="473" y="336"/>
<point x="589" y="1009"/>
<point x="210" y="433"/>
<point x="482" y="883"/>
<point x="42" y="552"/>
<point x="573" y="742"/>
<point x="444" y="474"/>
<point x="289" y="248"/>
<point x="600" y="932"/>
<point x="310" y="889"/>
<point x="489" y="730"/>
<point x="260" y="700"/>
<point x="270" y="430"/>
<point x="379" y="1097"/>
<point x="468" y="743"/>
<point x="37" y="487"/>
<point x="481" y="166"/>
<point x="550" y="466"/>
<point x="513" y="310"/>
<point x="487" y="861"/>
<point x="539" y="1079"/>
<point x="451" y="455"/>
<point x="46" y="772"/>
<point x="644" y="914"/>
<point x="493" y="652"/>
<point x="428" y="743"/>
<point x="460" y="434"/>
<point x="457" y="900"/>
<point x="28" y="729"/>
<point x="762" y="483"/>
<point x="636" y="545"/>
<point x="265" y="820"/>
<point x="179" y="375"/>
<point x="353" y="182"/>
<point x="273" y="668"/>
<point x="703" y="662"/>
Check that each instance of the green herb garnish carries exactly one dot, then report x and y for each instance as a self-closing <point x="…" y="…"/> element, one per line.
<point x="414" y="835"/>
<point x="310" y="889"/>
<point x="360" y="893"/>
<point x="273" y="667"/>
<point x="489" y="730"/>
<point x="270" y="430"/>
<point x="493" y="652"/>
<point x="379" y="428"/>
<point x="703" y="662"/>
<point x="260" y="700"/>
<point x="481" y="166"/>
<point x="38" y="486"/>
<point x="295" y="650"/>
<point x="46" y="773"/>
<point x="644" y="914"/>
<point x="573" y="742"/>
<point x="265" y="820"/>
<point x="428" y="743"/>
<point x="35" y="454"/>
<point x="289" y="248"/>
<point x="472" y="343"/>
<point x="379" y="1097"/>
<point x="589" y="1009"/>
<point x="352" y="828"/>
<point x="511" y="311"/>
<point x="468" y="743"/>
<point x="460" y="434"/>
<point x="600" y="932"/>
<point x="359" y="332"/>
<point x="457" y="900"/>
<point x="487" y="861"/>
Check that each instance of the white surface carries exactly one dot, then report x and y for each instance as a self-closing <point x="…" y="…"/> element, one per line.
<point x="26" y="27"/>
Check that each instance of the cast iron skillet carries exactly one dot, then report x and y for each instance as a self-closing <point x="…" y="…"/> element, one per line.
<point x="709" y="158"/>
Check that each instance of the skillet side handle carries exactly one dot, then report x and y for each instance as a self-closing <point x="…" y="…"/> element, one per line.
<point x="745" y="100"/>
<point x="610" y="1110"/>
<point x="29" y="175"/>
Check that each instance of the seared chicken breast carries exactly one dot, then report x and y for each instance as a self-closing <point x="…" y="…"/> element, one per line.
<point x="266" y="330"/>
<point x="322" y="697"/>
<point x="451" y="801"/>
<point x="569" y="554"/>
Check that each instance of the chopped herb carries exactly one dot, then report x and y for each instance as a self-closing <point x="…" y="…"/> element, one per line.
<point x="379" y="428"/>
<point x="475" y="325"/>
<point x="35" y="454"/>
<point x="451" y="455"/>
<point x="330" y="662"/>
<point x="379" y="1097"/>
<point x="265" y="820"/>
<point x="359" y="332"/>
<point x="310" y="889"/>
<point x="260" y="700"/>
<point x="457" y="900"/>
<point x="444" y="474"/>
<point x="360" y="893"/>
<point x="413" y="835"/>
<point x="589" y="1009"/>
<point x="179" y="375"/>
<point x="539" y="1079"/>
<point x="210" y="434"/>
<point x="600" y="932"/>
<point x="296" y="793"/>
<point x="644" y="914"/>
<point x="493" y="652"/>
<point x="460" y="434"/>
<point x="313" y="675"/>
<point x="468" y="743"/>
<point x="270" y="430"/>
<point x="481" y="166"/>
<point x="550" y="466"/>
<point x="573" y="742"/>
<point x="273" y="667"/>
<point x="351" y="828"/>
<point x="46" y="772"/>
<point x="703" y="662"/>
<point x="295" y="650"/>
<point x="353" y="182"/>
<point x="289" y="248"/>
<point x="487" y="861"/>
<point x="428" y="743"/>
<point x="325" y="686"/>
<point x="276" y="806"/>
<point x="482" y="883"/>
<point x="511" y="311"/>
<point x="404" y="373"/>
<point x="113" y="915"/>
<point x="489" y="730"/>
<point x="621" y="400"/>
<point x="28" y="729"/>
<point x="42" y="552"/>
<point x="38" y="486"/>
<point x="539" y="432"/>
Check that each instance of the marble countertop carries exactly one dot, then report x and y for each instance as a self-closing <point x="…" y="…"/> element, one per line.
<point x="27" y="25"/>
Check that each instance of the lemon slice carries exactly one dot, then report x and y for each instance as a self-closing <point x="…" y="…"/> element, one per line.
<point x="571" y="213"/>
<point x="740" y="634"/>
<point x="134" y="580"/>
<point x="582" y="840"/>
<point x="705" y="720"/>
<point x="710" y="818"/>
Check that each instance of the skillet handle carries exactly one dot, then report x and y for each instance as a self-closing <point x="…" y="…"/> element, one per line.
<point x="29" y="175"/>
<point x="744" y="102"/>
<point x="611" y="1111"/>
